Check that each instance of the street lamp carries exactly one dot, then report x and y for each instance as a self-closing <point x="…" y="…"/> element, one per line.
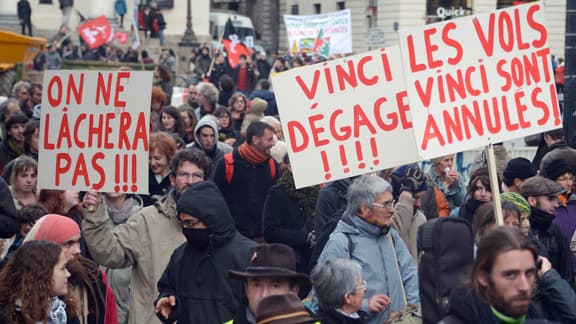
<point x="187" y="42"/>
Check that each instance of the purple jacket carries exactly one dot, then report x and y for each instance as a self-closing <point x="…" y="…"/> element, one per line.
<point x="566" y="219"/>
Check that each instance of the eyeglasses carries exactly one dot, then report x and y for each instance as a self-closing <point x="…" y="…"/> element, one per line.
<point x="195" y="175"/>
<point x="386" y="204"/>
<point x="188" y="223"/>
<point x="362" y="286"/>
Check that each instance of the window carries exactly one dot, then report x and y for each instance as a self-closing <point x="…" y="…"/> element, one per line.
<point x="317" y="8"/>
<point x="340" y="5"/>
<point x="509" y="3"/>
<point x="294" y="10"/>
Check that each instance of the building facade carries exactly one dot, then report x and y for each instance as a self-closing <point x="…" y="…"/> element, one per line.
<point x="46" y="14"/>
<point x="387" y="17"/>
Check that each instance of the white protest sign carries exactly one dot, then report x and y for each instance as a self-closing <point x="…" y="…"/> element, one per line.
<point x="480" y="79"/>
<point x="94" y="131"/>
<point x="333" y="29"/>
<point x="345" y="117"/>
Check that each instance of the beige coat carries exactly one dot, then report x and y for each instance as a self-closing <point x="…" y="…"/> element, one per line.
<point x="145" y="242"/>
<point x="406" y="223"/>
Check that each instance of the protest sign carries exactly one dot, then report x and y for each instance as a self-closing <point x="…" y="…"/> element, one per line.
<point x="94" y="131"/>
<point x="480" y="79"/>
<point x="345" y="117"/>
<point x="329" y="33"/>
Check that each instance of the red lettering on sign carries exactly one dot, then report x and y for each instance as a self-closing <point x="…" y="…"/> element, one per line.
<point x="103" y="90"/>
<point x="55" y="101"/>
<point x="123" y="75"/>
<point x="452" y="43"/>
<point x="63" y="164"/>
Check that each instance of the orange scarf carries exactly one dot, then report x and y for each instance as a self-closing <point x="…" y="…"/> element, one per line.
<point x="563" y="199"/>
<point x="251" y="154"/>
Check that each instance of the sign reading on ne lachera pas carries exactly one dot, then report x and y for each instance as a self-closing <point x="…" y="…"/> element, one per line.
<point x="94" y="131"/>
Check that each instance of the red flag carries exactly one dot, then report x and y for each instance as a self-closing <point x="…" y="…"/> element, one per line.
<point x="96" y="32"/>
<point x="234" y="48"/>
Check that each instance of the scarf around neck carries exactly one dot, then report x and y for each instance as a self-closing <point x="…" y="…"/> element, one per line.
<point x="121" y="214"/>
<point x="251" y="154"/>
<point x="57" y="313"/>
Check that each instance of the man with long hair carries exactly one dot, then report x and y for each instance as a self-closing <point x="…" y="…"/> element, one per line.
<point x="96" y="303"/>
<point x="503" y="284"/>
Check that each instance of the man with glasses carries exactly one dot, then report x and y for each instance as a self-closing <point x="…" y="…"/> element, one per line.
<point x="148" y="238"/>
<point x="365" y="235"/>
<point x="542" y="195"/>
<point x="195" y="287"/>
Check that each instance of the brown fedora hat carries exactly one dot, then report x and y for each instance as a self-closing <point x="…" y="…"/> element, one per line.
<point x="282" y="309"/>
<point x="271" y="261"/>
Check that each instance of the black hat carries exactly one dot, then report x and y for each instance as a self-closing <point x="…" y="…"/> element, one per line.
<point x="282" y="309"/>
<point x="540" y="186"/>
<point x="556" y="168"/>
<point x="271" y="260"/>
<point x="519" y="168"/>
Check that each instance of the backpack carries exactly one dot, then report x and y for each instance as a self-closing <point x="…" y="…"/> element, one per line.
<point x="446" y="248"/>
<point x="229" y="167"/>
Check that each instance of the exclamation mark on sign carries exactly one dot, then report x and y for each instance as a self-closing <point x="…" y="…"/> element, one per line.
<point x="374" y="151"/>
<point x="555" y="109"/>
<point x="117" y="173"/>
<point x="134" y="186"/>
<point x="344" y="159"/>
<point x="360" y="155"/>
<point x="125" y="174"/>
<point x="326" y="165"/>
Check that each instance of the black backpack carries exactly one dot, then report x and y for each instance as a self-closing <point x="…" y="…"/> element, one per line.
<point x="446" y="248"/>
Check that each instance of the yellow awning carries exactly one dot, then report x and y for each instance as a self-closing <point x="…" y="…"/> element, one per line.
<point x="17" y="48"/>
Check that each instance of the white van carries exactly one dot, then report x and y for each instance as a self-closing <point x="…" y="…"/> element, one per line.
<point x="242" y="24"/>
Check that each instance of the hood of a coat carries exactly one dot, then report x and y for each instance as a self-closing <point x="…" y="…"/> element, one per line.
<point x="204" y="201"/>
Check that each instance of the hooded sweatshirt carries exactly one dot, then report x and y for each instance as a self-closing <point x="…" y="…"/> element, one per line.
<point x="217" y="151"/>
<point x="199" y="279"/>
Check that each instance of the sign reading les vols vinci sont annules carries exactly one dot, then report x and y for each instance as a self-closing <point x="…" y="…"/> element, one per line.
<point x="480" y="79"/>
<point x="345" y="117"/>
<point x="94" y="131"/>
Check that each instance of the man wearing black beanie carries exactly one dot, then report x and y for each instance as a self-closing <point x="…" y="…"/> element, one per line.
<point x="517" y="170"/>
<point x="195" y="287"/>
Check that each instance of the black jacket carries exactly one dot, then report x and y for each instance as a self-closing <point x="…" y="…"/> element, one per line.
<point x="217" y="71"/>
<point x="246" y="192"/>
<point x="8" y="225"/>
<point x="199" y="279"/>
<point x="156" y="189"/>
<point x="331" y="199"/>
<point x="333" y="317"/>
<point x="7" y="153"/>
<point x="555" y="301"/>
<point x="250" y="76"/>
<point x="284" y="222"/>
<point x="553" y="239"/>
<point x="24" y="10"/>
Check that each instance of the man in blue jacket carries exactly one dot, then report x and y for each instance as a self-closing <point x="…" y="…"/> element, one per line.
<point x="365" y="235"/>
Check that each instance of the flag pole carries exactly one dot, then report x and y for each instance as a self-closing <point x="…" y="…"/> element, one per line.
<point x="207" y="76"/>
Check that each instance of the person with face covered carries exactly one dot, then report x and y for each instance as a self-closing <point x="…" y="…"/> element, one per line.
<point x="146" y="240"/>
<point x="195" y="287"/>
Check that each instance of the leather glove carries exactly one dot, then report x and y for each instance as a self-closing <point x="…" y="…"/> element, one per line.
<point x="412" y="179"/>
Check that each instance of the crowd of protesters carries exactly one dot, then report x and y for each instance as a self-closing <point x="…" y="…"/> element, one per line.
<point x="224" y="236"/>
